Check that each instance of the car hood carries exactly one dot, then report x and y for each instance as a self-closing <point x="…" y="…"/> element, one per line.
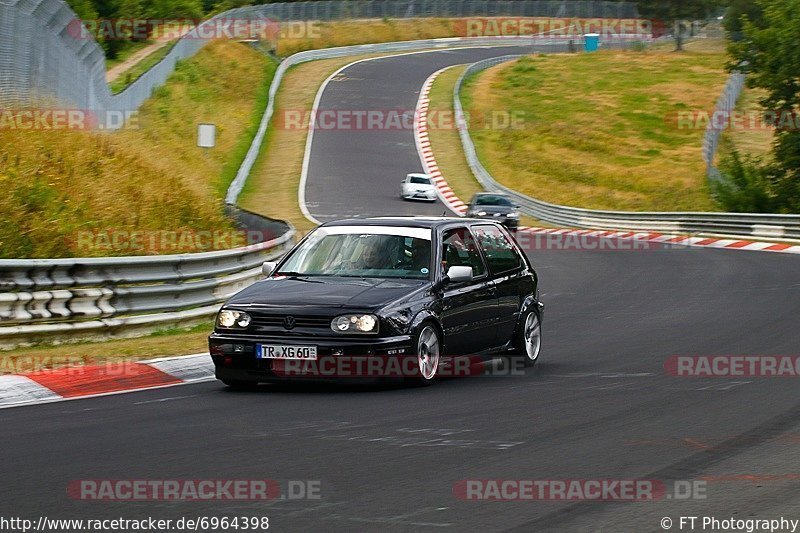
<point x="420" y="186"/>
<point x="325" y="292"/>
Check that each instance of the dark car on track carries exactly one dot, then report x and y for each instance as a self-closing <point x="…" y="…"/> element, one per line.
<point x="407" y="295"/>
<point x="495" y="206"/>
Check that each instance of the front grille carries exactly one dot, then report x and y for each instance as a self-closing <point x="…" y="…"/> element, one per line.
<point x="276" y="322"/>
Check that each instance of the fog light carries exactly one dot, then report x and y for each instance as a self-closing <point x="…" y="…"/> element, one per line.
<point x="216" y="349"/>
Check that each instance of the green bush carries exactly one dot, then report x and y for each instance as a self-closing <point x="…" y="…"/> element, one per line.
<point x="744" y="186"/>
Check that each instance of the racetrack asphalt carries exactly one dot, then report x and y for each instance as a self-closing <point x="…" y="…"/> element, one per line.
<point x="599" y="405"/>
<point x="356" y="172"/>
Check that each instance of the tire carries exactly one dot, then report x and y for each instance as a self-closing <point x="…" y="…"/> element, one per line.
<point x="239" y="385"/>
<point x="529" y="339"/>
<point x="427" y="349"/>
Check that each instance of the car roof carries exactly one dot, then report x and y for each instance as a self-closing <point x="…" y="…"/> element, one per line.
<point x="405" y="221"/>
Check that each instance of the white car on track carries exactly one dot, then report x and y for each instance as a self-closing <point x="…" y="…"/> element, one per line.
<point x="418" y="187"/>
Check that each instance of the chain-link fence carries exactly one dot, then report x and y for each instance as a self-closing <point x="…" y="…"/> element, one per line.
<point x="42" y="59"/>
<point x="726" y="105"/>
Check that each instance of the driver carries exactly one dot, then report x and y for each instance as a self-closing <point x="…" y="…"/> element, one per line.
<point x="420" y="255"/>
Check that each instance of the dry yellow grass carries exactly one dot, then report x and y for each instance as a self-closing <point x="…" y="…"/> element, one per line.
<point x="345" y="33"/>
<point x="754" y="141"/>
<point x="61" y="184"/>
<point x="598" y="131"/>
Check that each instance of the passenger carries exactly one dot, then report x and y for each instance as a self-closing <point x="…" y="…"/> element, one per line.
<point x="374" y="256"/>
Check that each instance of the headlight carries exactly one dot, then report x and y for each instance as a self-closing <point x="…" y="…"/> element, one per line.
<point x="355" y="324"/>
<point x="233" y="319"/>
<point x="481" y="213"/>
<point x="513" y="215"/>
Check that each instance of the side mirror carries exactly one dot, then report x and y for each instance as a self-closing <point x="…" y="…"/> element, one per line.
<point x="459" y="274"/>
<point x="268" y="267"/>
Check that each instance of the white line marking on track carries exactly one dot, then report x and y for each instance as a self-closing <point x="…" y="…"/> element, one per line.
<point x="301" y="190"/>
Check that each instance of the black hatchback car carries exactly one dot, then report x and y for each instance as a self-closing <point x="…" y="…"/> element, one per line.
<point x="382" y="297"/>
<point x="495" y="206"/>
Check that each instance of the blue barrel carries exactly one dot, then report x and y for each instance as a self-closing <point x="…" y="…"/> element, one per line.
<point x="591" y="42"/>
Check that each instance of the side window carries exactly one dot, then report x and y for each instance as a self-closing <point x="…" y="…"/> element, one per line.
<point x="459" y="249"/>
<point x="499" y="252"/>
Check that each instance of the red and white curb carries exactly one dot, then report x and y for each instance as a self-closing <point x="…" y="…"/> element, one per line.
<point x="73" y="382"/>
<point x="426" y="156"/>
<point x="455" y="204"/>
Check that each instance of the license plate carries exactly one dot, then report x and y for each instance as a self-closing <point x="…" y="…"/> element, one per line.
<point x="280" y="351"/>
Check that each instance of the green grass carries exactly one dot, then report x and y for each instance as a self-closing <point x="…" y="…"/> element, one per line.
<point x="598" y="130"/>
<point x="446" y="142"/>
<point x="135" y="72"/>
<point x="244" y="141"/>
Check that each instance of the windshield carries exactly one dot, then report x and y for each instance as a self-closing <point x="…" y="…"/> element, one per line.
<point x="492" y="200"/>
<point x="363" y="252"/>
<point x="420" y="180"/>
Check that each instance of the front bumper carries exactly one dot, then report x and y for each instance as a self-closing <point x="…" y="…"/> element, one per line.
<point x="428" y="196"/>
<point x="234" y="358"/>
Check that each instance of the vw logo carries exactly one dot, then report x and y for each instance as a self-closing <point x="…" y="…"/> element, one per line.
<point x="288" y="322"/>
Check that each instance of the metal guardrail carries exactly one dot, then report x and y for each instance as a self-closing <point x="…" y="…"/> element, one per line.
<point x="553" y="44"/>
<point x="753" y="225"/>
<point x="59" y="297"/>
